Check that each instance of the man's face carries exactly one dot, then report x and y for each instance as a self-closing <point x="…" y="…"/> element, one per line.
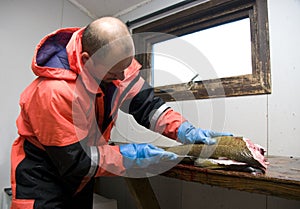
<point x="107" y="74"/>
<point x="109" y="63"/>
<point x="112" y="66"/>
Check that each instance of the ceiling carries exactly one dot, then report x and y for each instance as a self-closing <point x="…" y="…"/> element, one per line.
<point x="98" y="8"/>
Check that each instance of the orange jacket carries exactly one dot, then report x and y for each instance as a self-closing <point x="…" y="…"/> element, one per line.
<point x="65" y="112"/>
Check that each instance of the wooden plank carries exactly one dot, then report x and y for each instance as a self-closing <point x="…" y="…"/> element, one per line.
<point x="282" y="178"/>
<point x="142" y="192"/>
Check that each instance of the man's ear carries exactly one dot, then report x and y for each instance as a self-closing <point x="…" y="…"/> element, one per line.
<point x="85" y="57"/>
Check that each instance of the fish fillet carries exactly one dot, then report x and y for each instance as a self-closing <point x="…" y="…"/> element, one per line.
<point x="234" y="148"/>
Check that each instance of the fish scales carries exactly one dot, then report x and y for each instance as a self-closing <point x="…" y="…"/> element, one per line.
<point x="229" y="147"/>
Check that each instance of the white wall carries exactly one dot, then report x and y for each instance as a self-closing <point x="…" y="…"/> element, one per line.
<point x="22" y="25"/>
<point x="284" y="102"/>
<point x="272" y="121"/>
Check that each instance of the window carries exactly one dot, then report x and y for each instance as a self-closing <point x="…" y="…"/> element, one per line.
<point x="215" y="49"/>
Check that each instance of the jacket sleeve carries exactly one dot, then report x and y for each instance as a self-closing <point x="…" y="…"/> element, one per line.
<point x="152" y="112"/>
<point x="77" y="163"/>
<point x="51" y="112"/>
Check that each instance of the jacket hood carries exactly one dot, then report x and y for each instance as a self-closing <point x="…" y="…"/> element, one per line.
<point x="58" y="56"/>
<point x="51" y="58"/>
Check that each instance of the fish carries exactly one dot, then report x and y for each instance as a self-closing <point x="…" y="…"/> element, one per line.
<point x="234" y="148"/>
<point x="225" y="164"/>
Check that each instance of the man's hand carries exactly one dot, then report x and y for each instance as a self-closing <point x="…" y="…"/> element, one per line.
<point x="143" y="155"/>
<point x="188" y="134"/>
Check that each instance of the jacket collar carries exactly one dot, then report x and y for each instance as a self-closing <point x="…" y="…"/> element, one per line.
<point x="74" y="50"/>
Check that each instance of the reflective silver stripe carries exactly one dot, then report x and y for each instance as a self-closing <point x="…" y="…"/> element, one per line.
<point x="94" y="161"/>
<point x="156" y="116"/>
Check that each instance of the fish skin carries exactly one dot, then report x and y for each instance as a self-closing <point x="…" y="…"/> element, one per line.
<point x="227" y="147"/>
<point x="227" y="165"/>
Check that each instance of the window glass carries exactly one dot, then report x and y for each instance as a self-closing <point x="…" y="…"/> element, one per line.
<point x="227" y="49"/>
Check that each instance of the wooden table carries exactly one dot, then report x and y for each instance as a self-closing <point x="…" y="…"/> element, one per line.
<point x="282" y="179"/>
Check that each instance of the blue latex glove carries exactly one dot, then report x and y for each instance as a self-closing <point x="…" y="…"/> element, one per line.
<point x="143" y="155"/>
<point x="188" y="134"/>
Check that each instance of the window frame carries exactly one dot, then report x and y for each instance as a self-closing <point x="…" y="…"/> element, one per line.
<point x="203" y="16"/>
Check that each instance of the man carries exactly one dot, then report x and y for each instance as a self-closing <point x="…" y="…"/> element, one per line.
<point x="84" y="76"/>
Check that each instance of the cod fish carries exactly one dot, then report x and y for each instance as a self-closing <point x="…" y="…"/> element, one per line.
<point x="238" y="150"/>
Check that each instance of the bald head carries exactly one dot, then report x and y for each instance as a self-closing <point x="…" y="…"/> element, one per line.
<point x="106" y="34"/>
<point x="110" y="28"/>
